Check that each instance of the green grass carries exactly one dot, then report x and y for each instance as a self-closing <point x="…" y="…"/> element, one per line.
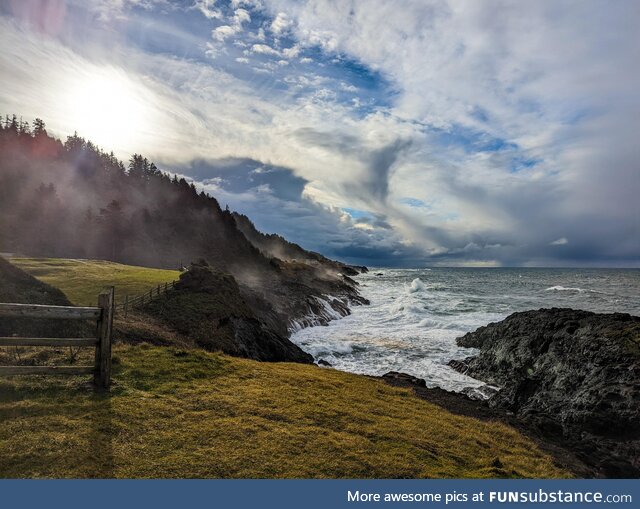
<point x="82" y="280"/>
<point x="188" y="413"/>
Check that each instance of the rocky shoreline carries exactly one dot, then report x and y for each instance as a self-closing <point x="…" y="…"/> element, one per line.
<point x="567" y="378"/>
<point x="213" y="310"/>
<point x="570" y="377"/>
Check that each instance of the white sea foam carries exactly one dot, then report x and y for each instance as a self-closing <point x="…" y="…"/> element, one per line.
<point x="415" y="316"/>
<point x="560" y="288"/>
<point x="324" y="313"/>
<point x="417" y="285"/>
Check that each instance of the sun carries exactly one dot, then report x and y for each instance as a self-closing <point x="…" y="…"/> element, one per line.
<point x="110" y="109"/>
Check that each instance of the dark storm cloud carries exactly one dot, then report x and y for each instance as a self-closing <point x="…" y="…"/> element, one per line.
<point x="273" y="198"/>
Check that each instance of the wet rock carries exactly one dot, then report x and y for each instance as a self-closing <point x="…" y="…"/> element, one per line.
<point x="460" y="366"/>
<point x="571" y="375"/>
<point x="404" y="378"/>
<point x="322" y="362"/>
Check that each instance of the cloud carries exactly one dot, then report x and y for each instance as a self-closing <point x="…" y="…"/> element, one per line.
<point x="106" y="10"/>
<point x="207" y="9"/>
<point x="465" y="131"/>
<point x="263" y="49"/>
<point x="280" y="24"/>
<point x="273" y="197"/>
<point x="291" y="52"/>
<point x="223" y="32"/>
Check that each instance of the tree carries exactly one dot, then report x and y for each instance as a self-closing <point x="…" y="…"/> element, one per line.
<point x="137" y="167"/>
<point x="13" y="125"/>
<point x="24" y="128"/>
<point x="74" y="143"/>
<point x="39" y="128"/>
<point x="112" y="221"/>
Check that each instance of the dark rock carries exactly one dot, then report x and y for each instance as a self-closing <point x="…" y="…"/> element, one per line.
<point x="571" y="375"/>
<point x="209" y="307"/>
<point x="404" y="378"/>
<point x="302" y="281"/>
<point x="322" y="362"/>
<point x="379" y="274"/>
<point x="350" y="281"/>
<point x="460" y="366"/>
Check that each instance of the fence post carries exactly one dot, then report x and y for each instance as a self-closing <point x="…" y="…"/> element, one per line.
<point x="126" y="304"/>
<point x="102" y="376"/>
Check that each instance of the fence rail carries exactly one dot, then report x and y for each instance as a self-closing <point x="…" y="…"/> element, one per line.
<point x="40" y="311"/>
<point x="48" y="341"/>
<point x="138" y="301"/>
<point x="102" y="314"/>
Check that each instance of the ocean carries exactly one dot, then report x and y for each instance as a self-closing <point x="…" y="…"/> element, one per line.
<point x="416" y="314"/>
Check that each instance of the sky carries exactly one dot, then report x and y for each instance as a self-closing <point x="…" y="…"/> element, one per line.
<point x="407" y="133"/>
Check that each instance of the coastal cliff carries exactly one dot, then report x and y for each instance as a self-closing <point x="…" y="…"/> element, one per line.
<point x="211" y="309"/>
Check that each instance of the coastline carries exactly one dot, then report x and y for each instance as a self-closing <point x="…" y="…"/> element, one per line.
<point x="533" y="372"/>
<point x="208" y="311"/>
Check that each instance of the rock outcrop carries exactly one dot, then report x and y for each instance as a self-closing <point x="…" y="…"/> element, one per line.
<point x="209" y="307"/>
<point x="573" y="376"/>
<point x="305" y="288"/>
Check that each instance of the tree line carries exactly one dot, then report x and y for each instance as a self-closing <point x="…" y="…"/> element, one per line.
<point x="73" y="199"/>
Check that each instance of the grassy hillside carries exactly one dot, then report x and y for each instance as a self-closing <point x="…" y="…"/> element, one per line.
<point x="188" y="413"/>
<point x="177" y="413"/>
<point x="82" y="280"/>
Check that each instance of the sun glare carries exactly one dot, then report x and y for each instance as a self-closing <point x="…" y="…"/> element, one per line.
<point x="110" y="110"/>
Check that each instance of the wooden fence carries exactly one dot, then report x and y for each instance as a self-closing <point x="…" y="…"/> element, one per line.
<point x="140" y="300"/>
<point x="102" y="314"/>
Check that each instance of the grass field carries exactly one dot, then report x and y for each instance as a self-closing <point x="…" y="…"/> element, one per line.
<point x="188" y="413"/>
<point x="82" y="280"/>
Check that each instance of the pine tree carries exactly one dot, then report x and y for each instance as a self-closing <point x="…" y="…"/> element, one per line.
<point x="136" y="167"/>
<point x="13" y="126"/>
<point x="39" y="128"/>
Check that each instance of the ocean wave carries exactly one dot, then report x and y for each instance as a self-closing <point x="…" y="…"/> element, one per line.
<point x="417" y="286"/>
<point x="327" y="308"/>
<point x="415" y="317"/>
<point x="559" y="288"/>
<point x="437" y="324"/>
<point x="428" y="322"/>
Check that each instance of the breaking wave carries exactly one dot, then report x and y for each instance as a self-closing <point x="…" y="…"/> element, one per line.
<point x="416" y="315"/>
<point x="559" y="288"/>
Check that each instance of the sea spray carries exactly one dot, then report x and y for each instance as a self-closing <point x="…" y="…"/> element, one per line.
<point x="417" y="285"/>
<point x="415" y="315"/>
